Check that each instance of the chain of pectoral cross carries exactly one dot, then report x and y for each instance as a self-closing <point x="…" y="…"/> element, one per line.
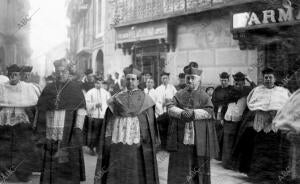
<point x="58" y="92"/>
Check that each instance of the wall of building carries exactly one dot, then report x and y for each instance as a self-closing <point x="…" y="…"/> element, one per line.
<point x="208" y="41"/>
<point x="114" y="59"/>
<point x="15" y="41"/>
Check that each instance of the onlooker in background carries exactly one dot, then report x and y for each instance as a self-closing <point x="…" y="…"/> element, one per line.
<point x="270" y="151"/>
<point x="110" y="81"/>
<point x="145" y="77"/>
<point x="96" y="105"/>
<point x="104" y="84"/>
<point x="210" y="90"/>
<point x="164" y="93"/>
<point x="233" y="117"/>
<point x="89" y="81"/>
<point x="26" y="73"/>
<point x="116" y="87"/>
<point x="150" y="89"/>
<point x="220" y="99"/>
<point x="181" y="84"/>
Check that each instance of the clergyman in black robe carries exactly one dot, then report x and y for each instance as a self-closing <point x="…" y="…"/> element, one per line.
<point x="192" y="139"/>
<point x="60" y="127"/>
<point x="127" y="148"/>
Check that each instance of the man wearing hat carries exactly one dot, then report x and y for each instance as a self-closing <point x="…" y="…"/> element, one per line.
<point x="220" y="99"/>
<point x="236" y="109"/>
<point x="26" y="73"/>
<point x="96" y="105"/>
<point x="129" y="137"/>
<point x="60" y="123"/>
<point x="17" y="103"/>
<point x="89" y="81"/>
<point x="191" y="137"/>
<point x="270" y="149"/>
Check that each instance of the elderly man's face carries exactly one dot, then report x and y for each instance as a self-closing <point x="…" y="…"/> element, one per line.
<point x="224" y="82"/>
<point x="132" y="82"/>
<point x="62" y="73"/>
<point x="192" y="81"/>
<point x="269" y="80"/>
<point x="14" y="78"/>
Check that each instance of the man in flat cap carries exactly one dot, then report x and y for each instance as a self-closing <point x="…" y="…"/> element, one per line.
<point x="60" y="124"/>
<point x="129" y="137"/>
<point x="191" y="137"/>
<point x="17" y="103"/>
<point x="270" y="150"/>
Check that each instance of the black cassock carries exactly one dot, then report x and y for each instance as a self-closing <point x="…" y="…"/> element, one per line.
<point x="63" y="158"/>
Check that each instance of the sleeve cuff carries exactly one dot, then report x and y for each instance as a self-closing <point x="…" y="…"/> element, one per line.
<point x="201" y="114"/>
<point x="175" y="112"/>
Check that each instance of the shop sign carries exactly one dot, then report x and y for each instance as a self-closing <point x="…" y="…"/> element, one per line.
<point x="142" y="32"/>
<point x="283" y="15"/>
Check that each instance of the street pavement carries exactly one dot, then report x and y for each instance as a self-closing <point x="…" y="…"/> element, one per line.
<point x="219" y="175"/>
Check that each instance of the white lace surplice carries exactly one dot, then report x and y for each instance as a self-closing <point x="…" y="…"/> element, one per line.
<point x="12" y="116"/>
<point x="124" y="130"/>
<point x="55" y="124"/>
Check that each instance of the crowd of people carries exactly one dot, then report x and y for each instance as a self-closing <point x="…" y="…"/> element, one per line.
<point x="126" y="122"/>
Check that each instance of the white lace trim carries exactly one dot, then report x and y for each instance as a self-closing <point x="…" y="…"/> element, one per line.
<point x="12" y="116"/>
<point x="55" y="124"/>
<point x="126" y="130"/>
<point x="189" y="134"/>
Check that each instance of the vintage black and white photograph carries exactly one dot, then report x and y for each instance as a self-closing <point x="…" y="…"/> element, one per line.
<point x="149" y="92"/>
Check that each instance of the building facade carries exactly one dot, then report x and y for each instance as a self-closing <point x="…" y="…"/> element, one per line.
<point x="164" y="35"/>
<point x="86" y="34"/>
<point x="14" y="32"/>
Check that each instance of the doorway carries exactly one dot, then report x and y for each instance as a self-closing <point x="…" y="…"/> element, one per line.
<point x="284" y="57"/>
<point x="150" y="59"/>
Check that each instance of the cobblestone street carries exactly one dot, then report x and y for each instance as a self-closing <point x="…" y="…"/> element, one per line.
<point x="219" y="175"/>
